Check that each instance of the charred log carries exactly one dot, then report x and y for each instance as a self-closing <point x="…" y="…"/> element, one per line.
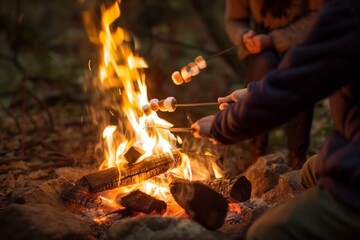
<point x="235" y="189"/>
<point x="133" y="154"/>
<point x="142" y="202"/>
<point x="77" y="195"/>
<point x="200" y="202"/>
<point x="131" y="173"/>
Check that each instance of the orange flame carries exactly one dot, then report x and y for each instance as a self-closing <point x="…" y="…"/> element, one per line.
<point x="123" y="70"/>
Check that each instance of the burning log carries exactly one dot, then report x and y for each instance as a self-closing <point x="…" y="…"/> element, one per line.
<point x="201" y="203"/>
<point x="235" y="189"/>
<point x="142" y="202"/>
<point x="77" y="195"/>
<point x="133" y="154"/>
<point x="131" y="173"/>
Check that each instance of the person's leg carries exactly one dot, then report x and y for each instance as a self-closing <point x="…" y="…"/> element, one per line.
<point x="257" y="66"/>
<point x="313" y="214"/>
<point x="298" y="134"/>
<point x="308" y="175"/>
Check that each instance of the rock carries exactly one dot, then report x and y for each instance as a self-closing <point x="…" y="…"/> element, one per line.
<point x="288" y="185"/>
<point x="41" y="221"/>
<point x="73" y="173"/>
<point x="160" y="228"/>
<point x="48" y="192"/>
<point x="264" y="174"/>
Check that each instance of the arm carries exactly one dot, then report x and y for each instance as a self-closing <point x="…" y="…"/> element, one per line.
<point x="327" y="60"/>
<point x="237" y="23"/>
<point x="286" y="37"/>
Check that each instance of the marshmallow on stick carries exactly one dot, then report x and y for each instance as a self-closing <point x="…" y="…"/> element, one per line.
<point x="201" y="62"/>
<point x="170" y="104"/>
<point x="146" y="109"/>
<point x="195" y="70"/>
<point x="162" y="105"/>
<point x="154" y="104"/>
<point x="177" y="78"/>
<point x="186" y="73"/>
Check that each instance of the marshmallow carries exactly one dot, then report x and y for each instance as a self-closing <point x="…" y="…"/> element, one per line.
<point x="194" y="69"/>
<point x="200" y="61"/>
<point x="170" y="103"/>
<point x="154" y="104"/>
<point x="186" y="73"/>
<point x="177" y="78"/>
<point x="146" y="109"/>
<point x="161" y="105"/>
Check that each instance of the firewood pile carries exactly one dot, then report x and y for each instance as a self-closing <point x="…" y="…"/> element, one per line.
<point x="203" y="201"/>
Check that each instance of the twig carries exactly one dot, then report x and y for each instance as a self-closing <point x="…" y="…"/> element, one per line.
<point x="11" y="159"/>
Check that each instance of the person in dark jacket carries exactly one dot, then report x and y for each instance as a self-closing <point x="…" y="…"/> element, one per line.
<point x="325" y="64"/>
<point x="265" y="30"/>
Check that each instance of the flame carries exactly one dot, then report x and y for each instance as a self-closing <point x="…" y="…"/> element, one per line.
<point x="123" y="70"/>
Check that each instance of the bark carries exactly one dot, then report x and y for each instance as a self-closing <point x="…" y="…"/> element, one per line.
<point x="130" y="174"/>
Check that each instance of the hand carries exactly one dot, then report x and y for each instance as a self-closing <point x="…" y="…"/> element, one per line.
<point x="248" y="35"/>
<point x="258" y="43"/>
<point x="202" y="128"/>
<point x="235" y="96"/>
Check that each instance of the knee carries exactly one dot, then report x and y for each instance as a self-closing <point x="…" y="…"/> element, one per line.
<point x="308" y="176"/>
<point x="265" y="228"/>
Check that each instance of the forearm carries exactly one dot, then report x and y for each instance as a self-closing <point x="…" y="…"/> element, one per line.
<point x="235" y="30"/>
<point x="237" y="22"/>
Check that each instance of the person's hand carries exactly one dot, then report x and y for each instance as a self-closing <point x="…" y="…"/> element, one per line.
<point x="235" y="96"/>
<point x="248" y="35"/>
<point x="247" y="39"/>
<point x="258" y="43"/>
<point x="202" y="128"/>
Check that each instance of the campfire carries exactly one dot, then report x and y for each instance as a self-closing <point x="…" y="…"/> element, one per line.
<point x="144" y="170"/>
<point x="118" y="170"/>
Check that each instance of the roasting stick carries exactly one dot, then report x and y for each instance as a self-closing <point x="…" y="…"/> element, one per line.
<point x="173" y="129"/>
<point x="170" y="104"/>
<point x="196" y="104"/>
<point x="179" y="129"/>
<point x="222" y="52"/>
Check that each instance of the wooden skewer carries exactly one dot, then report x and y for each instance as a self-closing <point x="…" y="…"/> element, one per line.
<point x="172" y="129"/>
<point x="223" y="52"/>
<point x="185" y="130"/>
<point x="196" y="104"/>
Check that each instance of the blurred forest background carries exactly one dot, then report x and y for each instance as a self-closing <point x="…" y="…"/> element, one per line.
<point x="44" y="54"/>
